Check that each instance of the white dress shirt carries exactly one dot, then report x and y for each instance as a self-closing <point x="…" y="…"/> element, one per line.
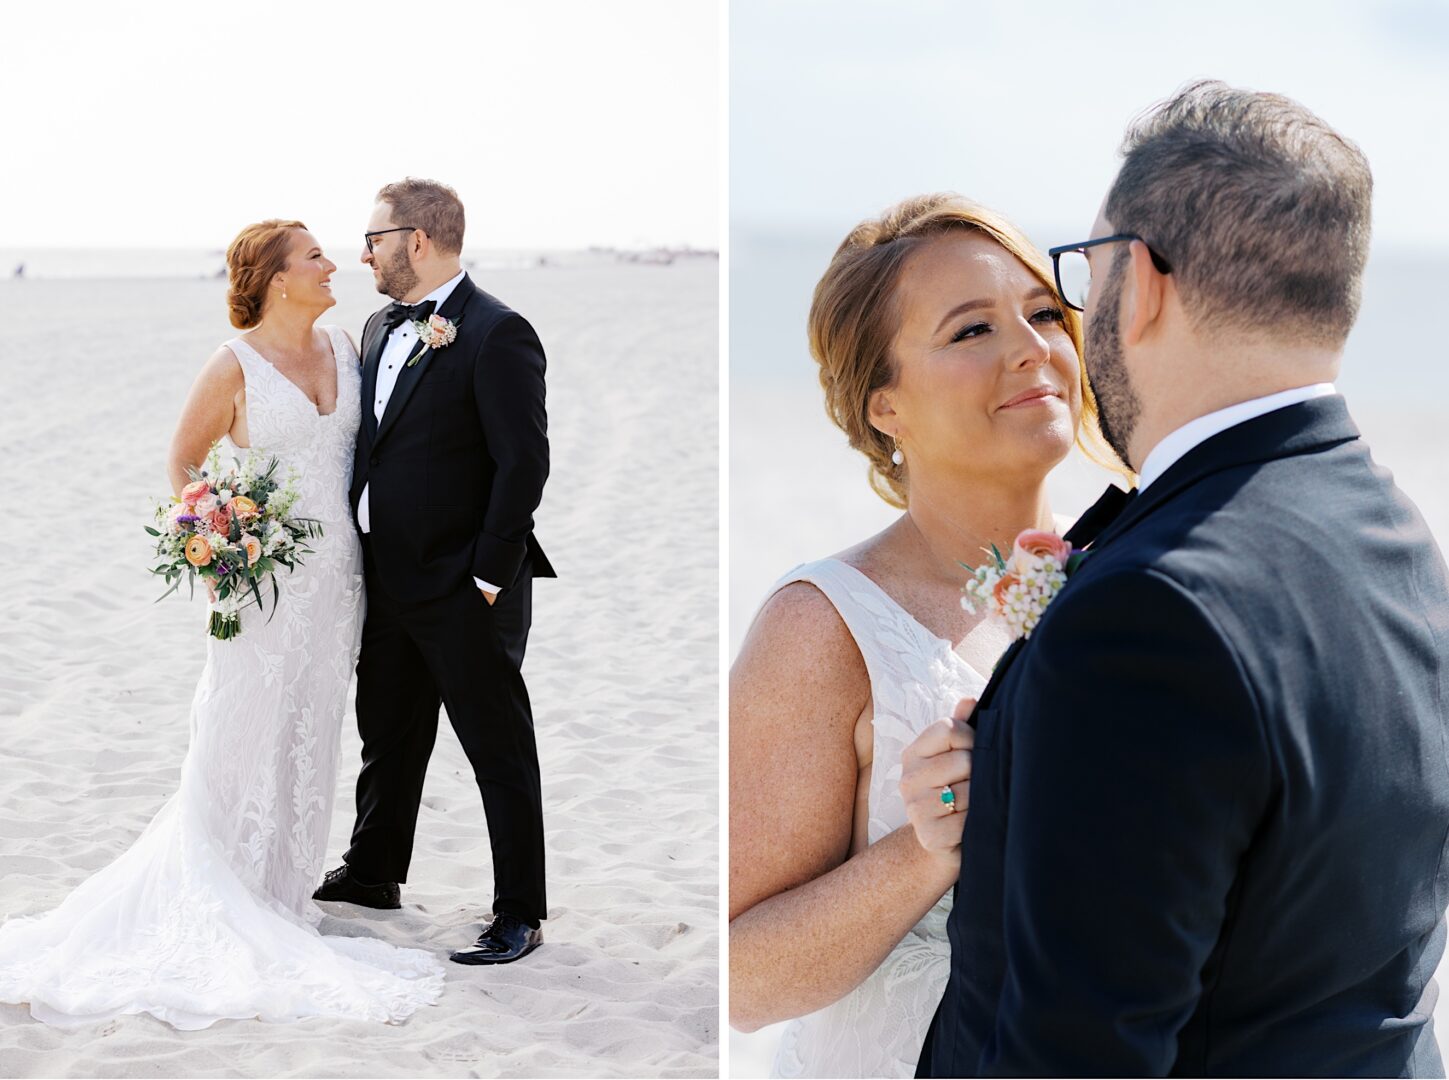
<point x="1166" y="453"/>
<point x="399" y="347"/>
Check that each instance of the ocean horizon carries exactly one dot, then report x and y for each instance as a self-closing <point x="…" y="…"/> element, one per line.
<point x="25" y="263"/>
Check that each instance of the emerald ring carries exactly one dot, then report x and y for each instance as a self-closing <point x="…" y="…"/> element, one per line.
<point x="948" y="798"/>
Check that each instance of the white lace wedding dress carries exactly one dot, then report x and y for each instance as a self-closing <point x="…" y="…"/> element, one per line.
<point x="916" y="679"/>
<point x="209" y="914"/>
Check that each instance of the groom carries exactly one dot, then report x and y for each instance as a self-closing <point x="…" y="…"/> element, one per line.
<point x="1210" y="794"/>
<point x="450" y="464"/>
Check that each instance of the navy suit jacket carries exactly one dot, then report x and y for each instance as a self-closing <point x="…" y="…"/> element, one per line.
<point x="1210" y="795"/>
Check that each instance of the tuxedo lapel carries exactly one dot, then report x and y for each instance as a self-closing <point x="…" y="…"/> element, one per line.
<point x="371" y="357"/>
<point x="1101" y="514"/>
<point x="1295" y="429"/>
<point x="414" y="369"/>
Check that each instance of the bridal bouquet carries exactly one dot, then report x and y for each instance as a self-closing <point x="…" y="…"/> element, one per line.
<point x="233" y="532"/>
<point x="1018" y="590"/>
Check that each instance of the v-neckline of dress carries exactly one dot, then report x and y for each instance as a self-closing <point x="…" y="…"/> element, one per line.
<point x="336" y="377"/>
<point x="920" y="626"/>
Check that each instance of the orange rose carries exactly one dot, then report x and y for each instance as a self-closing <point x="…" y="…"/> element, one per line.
<point x="1006" y="582"/>
<point x="242" y="507"/>
<point x="252" y="546"/>
<point x="198" y="551"/>
<point x="1042" y="545"/>
<point x="193" y="491"/>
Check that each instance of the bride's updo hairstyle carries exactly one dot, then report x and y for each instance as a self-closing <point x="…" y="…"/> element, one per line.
<point x="258" y="254"/>
<point x="854" y="320"/>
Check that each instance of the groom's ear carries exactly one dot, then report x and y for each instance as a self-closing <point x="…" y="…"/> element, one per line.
<point x="1144" y="292"/>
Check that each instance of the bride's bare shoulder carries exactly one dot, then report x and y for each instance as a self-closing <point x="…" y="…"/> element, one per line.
<point x="799" y="661"/>
<point x="221" y="371"/>
<point x="797" y="611"/>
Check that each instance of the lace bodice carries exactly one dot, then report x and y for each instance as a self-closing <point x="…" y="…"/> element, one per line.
<point x="916" y="678"/>
<point x="282" y="422"/>
<point x="209" y="914"/>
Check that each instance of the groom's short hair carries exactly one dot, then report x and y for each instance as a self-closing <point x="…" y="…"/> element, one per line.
<point x="428" y="205"/>
<point x="1259" y="206"/>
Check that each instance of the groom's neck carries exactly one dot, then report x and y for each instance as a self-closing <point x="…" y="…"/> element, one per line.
<point x="1183" y="385"/>
<point x="430" y="278"/>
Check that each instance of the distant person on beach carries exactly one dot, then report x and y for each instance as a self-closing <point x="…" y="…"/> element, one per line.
<point x="448" y="468"/>
<point x="949" y="361"/>
<point x="1210" y="792"/>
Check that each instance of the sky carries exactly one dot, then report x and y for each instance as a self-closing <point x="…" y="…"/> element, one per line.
<point x="561" y="123"/>
<point x="839" y="108"/>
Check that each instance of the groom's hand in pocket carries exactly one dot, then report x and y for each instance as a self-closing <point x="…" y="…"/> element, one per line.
<point x="940" y="757"/>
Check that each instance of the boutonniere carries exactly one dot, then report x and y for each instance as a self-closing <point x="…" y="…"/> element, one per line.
<point x="1018" y="590"/>
<point x="435" y="332"/>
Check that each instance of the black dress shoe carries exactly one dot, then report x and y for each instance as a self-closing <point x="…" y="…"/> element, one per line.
<point x="339" y="884"/>
<point x="508" y="938"/>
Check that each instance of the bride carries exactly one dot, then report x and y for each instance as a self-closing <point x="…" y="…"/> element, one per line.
<point x="209" y="914"/>
<point x="949" y="361"/>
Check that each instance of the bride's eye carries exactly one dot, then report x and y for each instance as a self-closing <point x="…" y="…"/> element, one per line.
<point x="1050" y="314"/>
<point x="969" y="331"/>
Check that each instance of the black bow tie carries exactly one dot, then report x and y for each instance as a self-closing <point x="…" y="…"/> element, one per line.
<point x="1112" y="505"/>
<point x="398" y="313"/>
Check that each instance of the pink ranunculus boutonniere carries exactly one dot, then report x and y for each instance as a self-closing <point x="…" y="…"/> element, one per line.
<point x="1019" y="588"/>
<point x="435" y="333"/>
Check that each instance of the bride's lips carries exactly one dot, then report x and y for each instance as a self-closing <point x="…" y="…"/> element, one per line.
<point x="1034" y="396"/>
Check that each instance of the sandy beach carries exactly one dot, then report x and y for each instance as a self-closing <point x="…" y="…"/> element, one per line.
<point x="95" y="682"/>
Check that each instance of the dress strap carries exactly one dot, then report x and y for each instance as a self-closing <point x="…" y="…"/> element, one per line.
<point x="247" y="357"/>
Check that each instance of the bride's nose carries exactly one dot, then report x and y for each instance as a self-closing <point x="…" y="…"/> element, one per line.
<point x="1030" y="350"/>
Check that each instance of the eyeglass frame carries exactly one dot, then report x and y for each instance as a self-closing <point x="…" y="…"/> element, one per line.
<point x="1162" y="265"/>
<point x="367" y="236"/>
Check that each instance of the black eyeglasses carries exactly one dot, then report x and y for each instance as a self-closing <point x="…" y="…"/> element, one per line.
<point x="1074" y="271"/>
<point x="367" y="236"/>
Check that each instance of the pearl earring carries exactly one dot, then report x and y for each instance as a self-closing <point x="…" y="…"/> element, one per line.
<point x="284" y="294"/>
<point x="897" y="457"/>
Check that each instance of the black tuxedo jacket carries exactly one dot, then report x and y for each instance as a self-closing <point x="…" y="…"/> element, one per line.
<point x="457" y="464"/>
<point x="1210" y="795"/>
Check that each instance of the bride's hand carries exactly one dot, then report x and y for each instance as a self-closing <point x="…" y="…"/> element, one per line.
<point x="940" y="755"/>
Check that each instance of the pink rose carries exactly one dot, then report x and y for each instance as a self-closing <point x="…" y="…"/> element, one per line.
<point x="205" y="505"/>
<point x="252" y="546"/>
<point x="220" y="520"/>
<point x="1035" y="542"/>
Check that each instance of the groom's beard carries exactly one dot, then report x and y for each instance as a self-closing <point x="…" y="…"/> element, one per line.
<point x="1117" y="404"/>
<point x="396" y="277"/>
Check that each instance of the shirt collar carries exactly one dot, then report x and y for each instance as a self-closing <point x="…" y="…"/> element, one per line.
<point x="1166" y="453"/>
<point x="440" y="295"/>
